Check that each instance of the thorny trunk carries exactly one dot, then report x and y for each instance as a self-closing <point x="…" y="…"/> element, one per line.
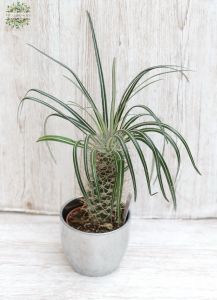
<point x="104" y="201"/>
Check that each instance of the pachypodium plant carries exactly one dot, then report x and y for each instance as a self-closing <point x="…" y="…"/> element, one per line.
<point x="105" y="145"/>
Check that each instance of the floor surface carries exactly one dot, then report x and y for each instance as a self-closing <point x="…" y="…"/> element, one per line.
<point x="166" y="259"/>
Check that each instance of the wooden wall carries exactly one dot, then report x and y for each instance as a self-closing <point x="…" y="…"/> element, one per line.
<point x="139" y="33"/>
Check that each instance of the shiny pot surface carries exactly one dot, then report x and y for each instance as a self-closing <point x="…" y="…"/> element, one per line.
<point x="92" y="254"/>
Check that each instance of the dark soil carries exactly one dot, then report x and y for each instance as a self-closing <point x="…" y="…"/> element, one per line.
<point x="79" y="219"/>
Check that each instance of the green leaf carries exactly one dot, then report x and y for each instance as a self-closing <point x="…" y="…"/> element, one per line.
<point x="77" y="171"/>
<point x="146" y="140"/>
<point x="76" y="123"/>
<point x="85" y="92"/>
<point x="168" y="178"/>
<point x="142" y="88"/>
<point x="68" y="108"/>
<point x="94" y="173"/>
<point x="146" y="108"/>
<point x="100" y="72"/>
<point x="112" y="112"/>
<point x="130" y="88"/>
<point x="85" y="156"/>
<point x="141" y="156"/>
<point x="132" y="120"/>
<point x="172" y="142"/>
<point x="58" y="138"/>
<point x="143" y="124"/>
<point x="45" y="133"/>
<point x="129" y="162"/>
<point x="163" y="73"/>
<point x="118" y="187"/>
<point x="86" y="111"/>
<point x="74" y="83"/>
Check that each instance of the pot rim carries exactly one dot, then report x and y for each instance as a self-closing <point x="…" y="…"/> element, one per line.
<point x="91" y="233"/>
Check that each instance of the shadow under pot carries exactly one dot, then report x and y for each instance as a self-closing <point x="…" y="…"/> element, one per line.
<point x="92" y="254"/>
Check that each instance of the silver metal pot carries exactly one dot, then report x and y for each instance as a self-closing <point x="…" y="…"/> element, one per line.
<point x="92" y="254"/>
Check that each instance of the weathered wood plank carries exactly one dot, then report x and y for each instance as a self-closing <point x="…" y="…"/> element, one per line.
<point x="166" y="259"/>
<point x="139" y="33"/>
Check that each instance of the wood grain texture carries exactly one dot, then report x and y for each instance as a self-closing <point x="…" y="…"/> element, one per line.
<point x="140" y="34"/>
<point x="165" y="260"/>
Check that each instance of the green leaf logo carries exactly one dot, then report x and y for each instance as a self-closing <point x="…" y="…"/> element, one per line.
<point x="17" y="15"/>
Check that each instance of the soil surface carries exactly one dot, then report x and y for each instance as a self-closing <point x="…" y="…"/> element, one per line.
<point x="80" y="219"/>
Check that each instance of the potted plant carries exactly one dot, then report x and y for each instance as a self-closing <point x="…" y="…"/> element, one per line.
<point x="95" y="227"/>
